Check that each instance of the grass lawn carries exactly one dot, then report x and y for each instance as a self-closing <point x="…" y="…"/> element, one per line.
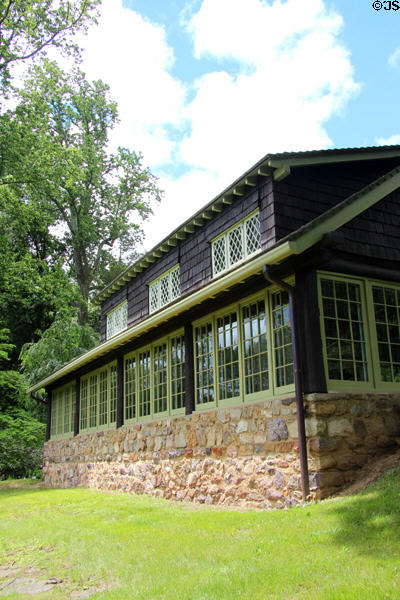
<point x="121" y="546"/>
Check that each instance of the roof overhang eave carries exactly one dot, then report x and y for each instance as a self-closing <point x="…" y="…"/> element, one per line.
<point x="273" y="256"/>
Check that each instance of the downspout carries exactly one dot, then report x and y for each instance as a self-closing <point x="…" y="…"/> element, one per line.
<point x="305" y="483"/>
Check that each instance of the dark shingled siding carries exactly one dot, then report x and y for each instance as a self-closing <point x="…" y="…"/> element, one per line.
<point x="194" y="254"/>
<point x="309" y="192"/>
<point x="284" y="207"/>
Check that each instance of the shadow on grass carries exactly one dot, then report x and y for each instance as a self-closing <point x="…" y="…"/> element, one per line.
<point x="370" y="521"/>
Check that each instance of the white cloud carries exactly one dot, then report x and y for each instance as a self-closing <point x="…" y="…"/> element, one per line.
<point x="392" y="140"/>
<point x="293" y="74"/>
<point x="394" y="58"/>
<point x="133" y="57"/>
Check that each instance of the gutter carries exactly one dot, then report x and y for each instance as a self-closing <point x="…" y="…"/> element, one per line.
<point x="305" y="482"/>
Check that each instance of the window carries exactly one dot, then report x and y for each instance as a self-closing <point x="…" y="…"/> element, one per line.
<point x="63" y="412"/>
<point x="165" y="289"/>
<point x="253" y="352"/>
<point x="386" y="301"/>
<point x="236" y="244"/>
<point x="117" y="319"/>
<point x="155" y="380"/>
<point x="98" y="399"/>
<point x="360" y="324"/>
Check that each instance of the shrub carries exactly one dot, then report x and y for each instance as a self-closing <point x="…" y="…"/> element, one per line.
<point x="21" y="444"/>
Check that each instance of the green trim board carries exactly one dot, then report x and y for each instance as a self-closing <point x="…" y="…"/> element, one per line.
<point x="360" y="329"/>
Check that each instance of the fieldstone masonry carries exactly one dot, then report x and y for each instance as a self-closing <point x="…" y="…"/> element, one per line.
<point x="234" y="456"/>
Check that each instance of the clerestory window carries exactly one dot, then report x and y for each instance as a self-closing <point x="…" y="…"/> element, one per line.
<point x="236" y="244"/>
<point x="117" y="319"/>
<point x="165" y="289"/>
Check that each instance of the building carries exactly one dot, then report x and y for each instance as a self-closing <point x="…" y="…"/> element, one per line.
<point x="254" y="353"/>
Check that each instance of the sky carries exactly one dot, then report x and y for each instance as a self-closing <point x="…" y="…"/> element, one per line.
<point x="205" y="88"/>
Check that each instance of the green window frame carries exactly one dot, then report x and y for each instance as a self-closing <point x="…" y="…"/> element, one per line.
<point x="98" y="399"/>
<point x="63" y="404"/>
<point x="243" y="352"/>
<point x="360" y="330"/>
<point x="154" y="380"/>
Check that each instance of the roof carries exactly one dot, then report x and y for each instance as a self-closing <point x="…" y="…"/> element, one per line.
<point x="276" y="165"/>
<point x="295" y="243"/>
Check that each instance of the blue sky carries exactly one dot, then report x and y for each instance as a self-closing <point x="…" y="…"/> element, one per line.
<point x="207" y="87"/>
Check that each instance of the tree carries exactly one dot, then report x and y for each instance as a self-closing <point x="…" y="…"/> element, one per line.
<point x="28" y="27"/>
<point x="55" y="153"/>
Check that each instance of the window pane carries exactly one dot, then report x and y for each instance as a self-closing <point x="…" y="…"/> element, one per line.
<point x="228" y="358"/>
<point x="282" y="336"/>
<point x="144" y="384"/>
<point x="235" y="245"/>
<point x="219" y="255"/>
<point x="387" y="323"/>
<point x="204" y="364"/>
<point x="252" y="233"/>
<point x="117" y="320"/>
<point x="160" y="378"/>
<point x="177" y="357"/>
<point x="344" y="331"/>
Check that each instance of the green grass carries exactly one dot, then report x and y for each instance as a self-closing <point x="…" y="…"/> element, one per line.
<point x="139" y="547"/>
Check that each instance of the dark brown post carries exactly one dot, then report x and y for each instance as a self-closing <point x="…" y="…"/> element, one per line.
<point x="309" y="332"/>
<point x="77" y="404"/>
<point x="189" y="369"/>
<point x="48" y="422"/>
<point x="120" y="391"/>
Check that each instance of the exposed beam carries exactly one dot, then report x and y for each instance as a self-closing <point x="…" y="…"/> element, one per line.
<point x="251" y="181"/>
<point x="227" y="200"/>
<point x="281" y="172"/>
<point x="239" y="190"/>
<point x="264" y="171"/>
<point x="189" y="228"/>
<point x="207" y="215"/>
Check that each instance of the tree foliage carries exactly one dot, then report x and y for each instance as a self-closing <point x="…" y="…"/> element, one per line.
<point x="28" y="27"/>
<point x="21" y="444"/>
<point x="55" y="154"/>
<point x="61" y="342"/>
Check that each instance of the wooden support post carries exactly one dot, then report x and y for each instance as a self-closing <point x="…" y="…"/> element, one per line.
<point x="77" y="404"/>
<point x="120" y="391"/>
<point x="48" y="422"/>
<point x="189" y="369"/>
<point x="309" y="332"/>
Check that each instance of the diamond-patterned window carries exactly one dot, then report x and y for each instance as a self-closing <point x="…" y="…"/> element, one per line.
<point x="219" y="255"/>
<point x="165" y="289"/>
<point x="117" y="319"/>
<point x="252" y="234"/>
<point x="236" y="244"/>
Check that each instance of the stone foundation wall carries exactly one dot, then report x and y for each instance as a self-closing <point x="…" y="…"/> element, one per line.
<point x="345" y="431"/>
<point x="234" y="456"/>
